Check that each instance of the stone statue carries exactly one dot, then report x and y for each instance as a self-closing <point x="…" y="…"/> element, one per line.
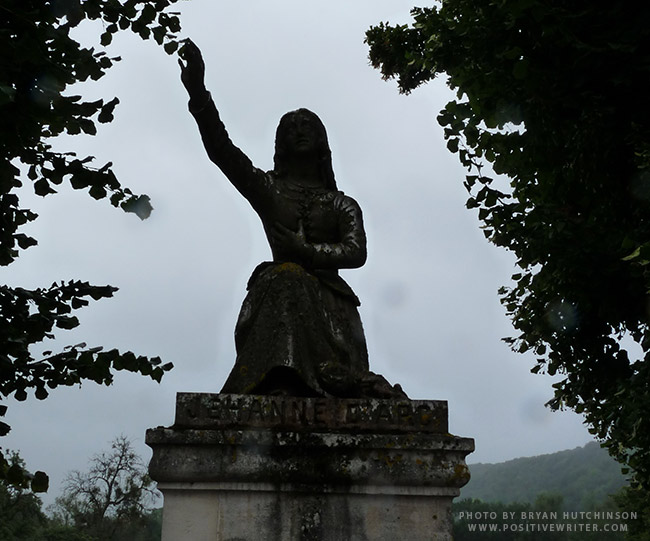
<point x="299" y="331"/>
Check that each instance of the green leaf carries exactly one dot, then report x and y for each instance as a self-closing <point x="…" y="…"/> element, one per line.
<point x="452" y="145"/>
<point x="24" y="241"/>
<point x="116" y="198"/>
<point x="15" y="475"/>
<point x="129" y="361"/>
<point x="140" y="206"/>
<point x="82" y="178"/>
<point x="636" y="253"/>
<point x="159" y="34"/>
<point x="78" y="303"/>
<point x="88" y="126"/>
<point x="106" y="113"/>
<point x="40" y="482"/>
<point x="170" y="47"/>
<point x="97" y="192"/>
<point x="67" y="322"/>
<point x="43" y="188"/>
<point x="106" y="38"/>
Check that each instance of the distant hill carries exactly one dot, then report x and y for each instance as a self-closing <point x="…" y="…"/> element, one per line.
<point x="583" y="476"/>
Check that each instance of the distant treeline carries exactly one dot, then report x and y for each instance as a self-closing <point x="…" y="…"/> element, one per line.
<point x="584" y="477"/>
<point x="575" y="495"/>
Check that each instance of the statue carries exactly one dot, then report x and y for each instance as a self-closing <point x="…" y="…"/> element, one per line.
<point x="299" y="332"/>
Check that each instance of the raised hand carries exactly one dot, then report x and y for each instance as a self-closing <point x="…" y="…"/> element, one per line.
<point x="193" y="69"/>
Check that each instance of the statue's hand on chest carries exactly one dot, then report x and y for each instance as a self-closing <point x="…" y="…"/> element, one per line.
<point x="288" y="244"/>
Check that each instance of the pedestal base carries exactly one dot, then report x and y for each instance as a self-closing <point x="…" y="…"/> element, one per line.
<point x="236" y="468"/>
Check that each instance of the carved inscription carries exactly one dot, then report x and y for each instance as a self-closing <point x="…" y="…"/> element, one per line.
<point x="201" y="410"/>
<point x="257" y="410"/>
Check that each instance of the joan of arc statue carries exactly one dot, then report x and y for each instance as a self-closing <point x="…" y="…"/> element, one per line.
<point x="299" y="331"/>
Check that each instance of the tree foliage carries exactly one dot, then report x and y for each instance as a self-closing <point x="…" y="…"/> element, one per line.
<point x="74" y="519"/>
<point x="113" y="499"/>
<point x="40" y="61"/>
<point x="20" y="509"/>
<point x="553" y="96"/>
<point x="636" y="500"/>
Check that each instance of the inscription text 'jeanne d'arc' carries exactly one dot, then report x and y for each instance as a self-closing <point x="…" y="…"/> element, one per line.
<point x="203" y="410"/>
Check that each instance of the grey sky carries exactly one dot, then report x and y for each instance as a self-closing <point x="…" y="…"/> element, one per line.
<point x="429" y="288"/>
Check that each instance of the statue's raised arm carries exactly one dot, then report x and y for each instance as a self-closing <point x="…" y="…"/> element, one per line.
<point x="231" y="160"/>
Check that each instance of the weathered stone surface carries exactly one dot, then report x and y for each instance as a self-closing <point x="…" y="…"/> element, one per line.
<point x="194" y="410"/>
<point x="248" y="513"/>
<point x="319" y="458"/>
<point x="236" y="467"/>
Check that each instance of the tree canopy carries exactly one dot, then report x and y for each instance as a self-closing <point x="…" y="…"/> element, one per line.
<point x="41" y="60"/>
<point x="552" y="97"/>
<point x="113" y="499"/>
<point x="20" y="509"/>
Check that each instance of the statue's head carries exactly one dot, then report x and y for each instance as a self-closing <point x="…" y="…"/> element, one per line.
<point x="300" y="135"/>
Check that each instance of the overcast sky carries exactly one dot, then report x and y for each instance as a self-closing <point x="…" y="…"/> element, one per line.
<point x="428" y="290"/>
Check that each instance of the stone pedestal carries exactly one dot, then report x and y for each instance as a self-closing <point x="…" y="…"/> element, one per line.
<point x="237" y="467"/>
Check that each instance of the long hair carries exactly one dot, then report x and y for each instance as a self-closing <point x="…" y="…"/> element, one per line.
<point x="324" y="154"/>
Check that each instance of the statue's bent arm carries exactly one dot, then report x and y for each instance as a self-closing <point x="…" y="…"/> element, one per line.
<point x="350" y="251"/>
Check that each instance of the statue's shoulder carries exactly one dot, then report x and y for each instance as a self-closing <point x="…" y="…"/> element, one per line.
<point x="345" y="202"/>
<point x="266" y="180"/>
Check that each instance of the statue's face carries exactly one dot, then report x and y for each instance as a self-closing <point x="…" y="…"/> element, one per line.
<point x="300" y="138"/>
<point x="301" y="134"/>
